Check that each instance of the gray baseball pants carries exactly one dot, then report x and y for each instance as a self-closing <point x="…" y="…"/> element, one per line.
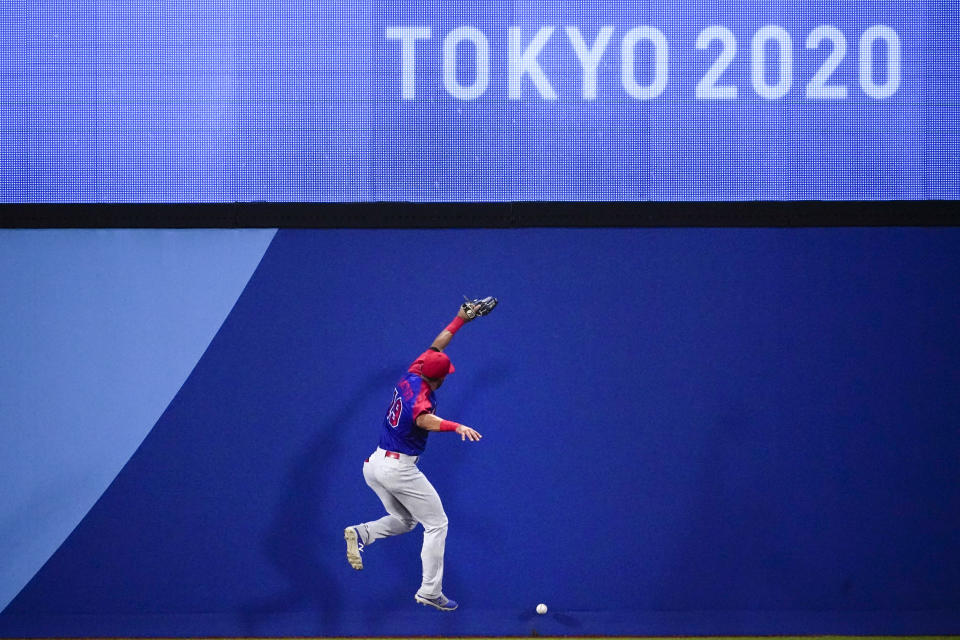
<point x="409" y="498"/>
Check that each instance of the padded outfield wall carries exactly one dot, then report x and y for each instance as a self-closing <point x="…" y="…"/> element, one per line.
<point x="686" y="431"/>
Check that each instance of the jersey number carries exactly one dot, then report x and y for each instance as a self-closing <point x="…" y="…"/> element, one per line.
<point x="396" y="408"/>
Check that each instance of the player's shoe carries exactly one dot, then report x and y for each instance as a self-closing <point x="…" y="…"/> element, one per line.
<point x="354" y="547"/>
<point x="441" y="602"/>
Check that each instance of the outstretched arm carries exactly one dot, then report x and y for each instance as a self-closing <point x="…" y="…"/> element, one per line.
<point x="431" y="422"/>
<point x="441" y="341"/>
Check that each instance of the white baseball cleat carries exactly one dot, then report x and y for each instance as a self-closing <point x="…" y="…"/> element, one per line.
<point x="354" y="547"/>
<point x="441" y="602"/>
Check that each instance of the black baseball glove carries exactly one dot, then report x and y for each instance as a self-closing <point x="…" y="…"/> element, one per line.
<point x="478" y="306"/>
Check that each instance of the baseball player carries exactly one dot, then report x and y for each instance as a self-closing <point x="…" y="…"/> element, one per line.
<point x="392" y="472"/>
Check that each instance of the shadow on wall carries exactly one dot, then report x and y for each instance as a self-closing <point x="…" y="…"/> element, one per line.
<point x="295" y="539"/>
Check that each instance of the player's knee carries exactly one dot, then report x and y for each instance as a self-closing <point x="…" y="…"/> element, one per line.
<point x="409" y="525"/>
<point x="438" y="525"/>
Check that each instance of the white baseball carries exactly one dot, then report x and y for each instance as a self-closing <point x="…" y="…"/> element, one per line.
<point x="541" y="608"/>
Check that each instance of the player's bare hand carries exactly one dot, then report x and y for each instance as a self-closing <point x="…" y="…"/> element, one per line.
<point x="468" y="433"/>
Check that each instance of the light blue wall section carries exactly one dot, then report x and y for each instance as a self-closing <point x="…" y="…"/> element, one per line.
<point x="98" y="331"/>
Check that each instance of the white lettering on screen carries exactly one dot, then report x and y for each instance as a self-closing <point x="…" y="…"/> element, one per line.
<point x="772" y="67"/>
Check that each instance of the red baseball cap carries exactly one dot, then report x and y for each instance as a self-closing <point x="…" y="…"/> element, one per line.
<point x="436" y="365"/>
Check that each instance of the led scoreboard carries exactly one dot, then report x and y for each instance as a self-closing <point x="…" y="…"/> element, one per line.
<point x="484" y="101"/>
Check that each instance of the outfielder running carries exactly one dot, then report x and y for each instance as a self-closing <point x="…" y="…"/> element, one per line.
<point x="392" y="472"/>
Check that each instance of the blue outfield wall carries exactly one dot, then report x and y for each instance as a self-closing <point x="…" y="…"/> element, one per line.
<point x="98" y="331"/>
<point x="686" y="431"/>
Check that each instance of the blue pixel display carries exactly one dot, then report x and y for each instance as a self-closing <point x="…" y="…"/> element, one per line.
<point x="145" y="101"/>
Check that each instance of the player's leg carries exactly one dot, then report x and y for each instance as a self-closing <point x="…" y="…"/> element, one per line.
<point x="398" y="519"/>
<point x="420" y="498"/>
